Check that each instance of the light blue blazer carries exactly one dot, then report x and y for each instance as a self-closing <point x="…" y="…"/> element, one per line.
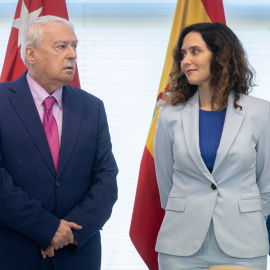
<point x="237" y="193"/>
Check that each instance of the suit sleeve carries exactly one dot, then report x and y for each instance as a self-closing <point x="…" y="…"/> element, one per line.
<point x="96" y="208"/>
<point x="263" y="162"/>
<point x="24" y="214"/>
<point x="163" y="155"/>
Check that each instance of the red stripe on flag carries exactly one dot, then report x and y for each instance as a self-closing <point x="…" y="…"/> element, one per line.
<point x="147" y="211"/>
<point x="215" y="10"/>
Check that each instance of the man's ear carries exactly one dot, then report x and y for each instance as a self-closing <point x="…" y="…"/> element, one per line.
<point x="30" y="55"/>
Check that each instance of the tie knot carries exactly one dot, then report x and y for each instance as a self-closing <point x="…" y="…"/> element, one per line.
<point x="48" y="103"/>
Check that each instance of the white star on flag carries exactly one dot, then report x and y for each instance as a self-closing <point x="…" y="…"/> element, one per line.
<point x="25" y="16"/>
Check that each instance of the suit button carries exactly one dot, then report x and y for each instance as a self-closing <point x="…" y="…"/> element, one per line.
<point x="213" y="187"/>
<point x="58" y="184"/>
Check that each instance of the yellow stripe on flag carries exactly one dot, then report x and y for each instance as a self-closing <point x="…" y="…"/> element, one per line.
<point x="186" y="13"/>
<point x="151" y="134"/>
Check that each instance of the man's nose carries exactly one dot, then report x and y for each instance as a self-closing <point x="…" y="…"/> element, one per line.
<point x="72" y="53"/>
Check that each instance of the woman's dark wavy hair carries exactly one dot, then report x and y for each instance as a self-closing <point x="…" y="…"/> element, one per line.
<point x="229" y="68"/>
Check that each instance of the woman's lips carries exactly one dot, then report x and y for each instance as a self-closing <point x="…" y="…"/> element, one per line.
<point x="189" y="71"/>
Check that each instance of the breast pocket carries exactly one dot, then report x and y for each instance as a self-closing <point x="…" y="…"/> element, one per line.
<point x="86" y="142"/>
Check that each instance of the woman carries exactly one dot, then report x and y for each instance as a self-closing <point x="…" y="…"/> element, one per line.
<point x="212" y="156"/>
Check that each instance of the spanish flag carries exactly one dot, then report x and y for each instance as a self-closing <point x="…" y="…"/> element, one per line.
<point x="147" y="212"/>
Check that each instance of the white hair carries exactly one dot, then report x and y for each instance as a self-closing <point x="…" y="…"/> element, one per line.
<point x="32" y="33"/>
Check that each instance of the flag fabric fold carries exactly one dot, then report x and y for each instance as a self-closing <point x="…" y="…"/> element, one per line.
<point x="26" y="10"/>
<point x="147" y="212"/>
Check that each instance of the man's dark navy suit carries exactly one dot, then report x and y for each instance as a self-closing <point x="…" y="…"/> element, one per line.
<point x="33" y="197"/>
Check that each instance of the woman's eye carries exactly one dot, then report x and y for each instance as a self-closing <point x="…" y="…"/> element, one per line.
<point x="195" y="51"/>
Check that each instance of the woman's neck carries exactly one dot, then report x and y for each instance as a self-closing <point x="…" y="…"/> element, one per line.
<point x="205" y="96"/>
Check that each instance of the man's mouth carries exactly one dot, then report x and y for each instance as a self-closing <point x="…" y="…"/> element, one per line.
<point x="69" y="66"/>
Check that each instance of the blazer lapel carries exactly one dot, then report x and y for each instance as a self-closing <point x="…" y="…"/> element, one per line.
<point x="233" y="120"/>
<point x="23" y="103"/>
<point x="190" y="119"/>
<point x="72" y="108"/>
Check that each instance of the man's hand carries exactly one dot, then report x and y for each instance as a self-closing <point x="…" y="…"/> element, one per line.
<point x="48" y="252"/>
<point x="62" y="237"/>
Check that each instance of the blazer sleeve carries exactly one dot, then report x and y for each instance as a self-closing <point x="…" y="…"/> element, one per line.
<point x="163" y="156"/>
<point x="263" y="162"/>
<point x="24" y="214"/>
<point x="96" y="207"/>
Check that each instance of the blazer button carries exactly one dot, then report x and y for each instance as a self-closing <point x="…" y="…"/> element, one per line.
<point x="213" y="187"/>
<point x="58" y="184"/>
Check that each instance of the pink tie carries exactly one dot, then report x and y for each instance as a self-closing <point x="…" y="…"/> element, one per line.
<point x="51" y="130"/>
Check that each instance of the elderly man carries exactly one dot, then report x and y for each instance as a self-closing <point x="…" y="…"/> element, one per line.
<point x="57" y="170"/>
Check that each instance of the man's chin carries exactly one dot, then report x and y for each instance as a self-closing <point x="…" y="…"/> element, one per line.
<point x="68" y="79"/>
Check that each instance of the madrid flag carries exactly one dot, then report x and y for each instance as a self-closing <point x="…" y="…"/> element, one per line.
<point x="147" y="213"/>
<point x="26" y="10"/>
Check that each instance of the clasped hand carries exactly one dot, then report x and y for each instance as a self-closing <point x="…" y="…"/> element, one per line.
<point x="62" y="237"/>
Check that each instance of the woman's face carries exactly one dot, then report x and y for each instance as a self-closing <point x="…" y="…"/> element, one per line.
<point x="196" y="60"/>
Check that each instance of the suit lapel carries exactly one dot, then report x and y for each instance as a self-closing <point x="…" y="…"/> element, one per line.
<point x="233" y="120"/>
<point x="190" y="119"/>
<point x="72" y="108"/>
<point x="23" y="103"/>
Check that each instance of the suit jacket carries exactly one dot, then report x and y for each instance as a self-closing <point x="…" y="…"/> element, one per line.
<point x="235" y="195"/>
<point x="33" y="197"/>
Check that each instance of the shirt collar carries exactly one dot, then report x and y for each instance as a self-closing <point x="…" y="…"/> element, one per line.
<point x="39" y="93"/>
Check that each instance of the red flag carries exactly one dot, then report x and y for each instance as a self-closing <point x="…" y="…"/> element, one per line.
<point x="13" y="66"/>
<point x="147" y="212"/>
